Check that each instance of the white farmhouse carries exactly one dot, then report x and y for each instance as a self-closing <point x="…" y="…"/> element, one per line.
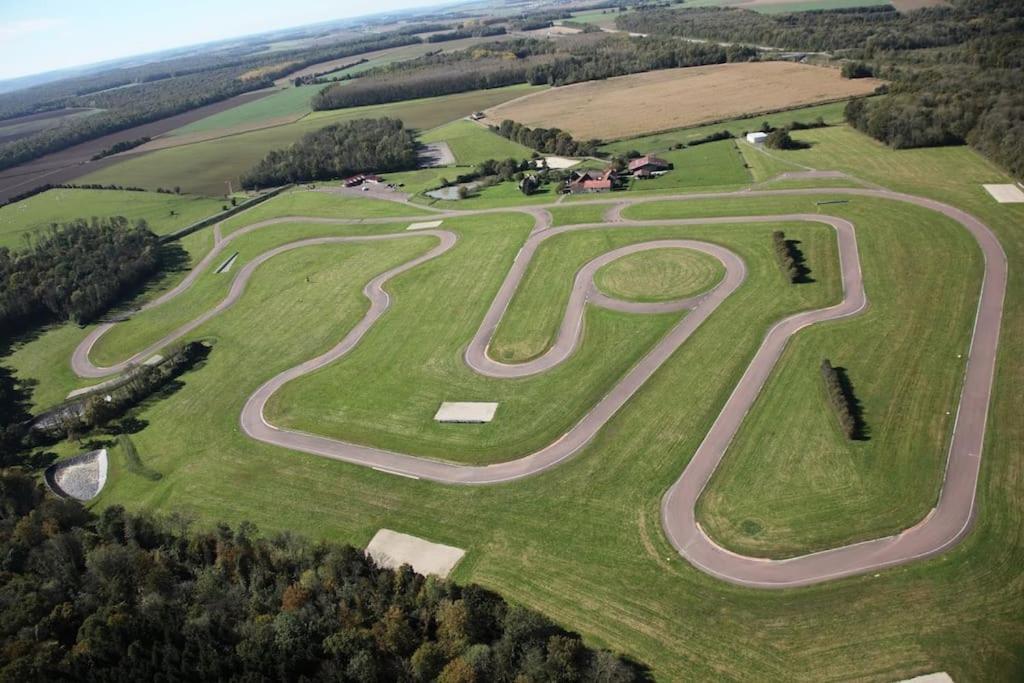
<point x="756" y="138"/>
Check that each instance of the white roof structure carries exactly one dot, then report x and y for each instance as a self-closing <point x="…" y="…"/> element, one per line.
<point x="392" y="549"/>
<point x="756" y="138"/>
<point x="465" y="412"/>
<point x="425" y="225"/>
<point x="1006" y="194"/>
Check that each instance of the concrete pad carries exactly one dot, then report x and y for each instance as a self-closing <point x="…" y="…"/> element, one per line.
<point x="465" y="411"/>
<point x="425" y="225"/>
<point x="81" y="477"/>
<point x="95" y="387"/>
<point x="392" y="549"/>
<point x="940" y="677"/>
<point x="559" y="163"/>
<point x="154" y="360"/>
<point x="1006" y="194"/>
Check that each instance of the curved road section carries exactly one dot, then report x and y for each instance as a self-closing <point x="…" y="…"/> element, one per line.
<point x="944" y="526"/>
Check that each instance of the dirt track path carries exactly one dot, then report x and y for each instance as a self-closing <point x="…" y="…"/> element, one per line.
<point x="944" y="526"/>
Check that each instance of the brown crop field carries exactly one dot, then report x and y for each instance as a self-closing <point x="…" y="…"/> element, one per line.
<point x="675" y="98"/>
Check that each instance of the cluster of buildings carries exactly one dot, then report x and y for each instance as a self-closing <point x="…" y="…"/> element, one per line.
<point x="583" y="182"/>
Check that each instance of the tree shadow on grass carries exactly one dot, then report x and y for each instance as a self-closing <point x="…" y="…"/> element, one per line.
<point x="861" y="431"/>
<point x="803" y="272"/>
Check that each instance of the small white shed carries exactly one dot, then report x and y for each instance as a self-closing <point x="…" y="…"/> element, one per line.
<point x="756" y="138"/>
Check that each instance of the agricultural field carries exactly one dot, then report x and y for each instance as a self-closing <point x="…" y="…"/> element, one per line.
<point x="163" y="212"/>
<point x="207" y="167"/>
<point x="16" y="128"/>
<point x="781" y="6"/>
<point x="713" y="164"/>
<point x="285" y="106"/>
<point x="676" y="98"/>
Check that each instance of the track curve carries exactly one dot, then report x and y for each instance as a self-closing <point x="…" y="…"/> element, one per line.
<point x="948" y="522"/>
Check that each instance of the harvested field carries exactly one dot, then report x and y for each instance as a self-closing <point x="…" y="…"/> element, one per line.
<point x="674" y="98"/>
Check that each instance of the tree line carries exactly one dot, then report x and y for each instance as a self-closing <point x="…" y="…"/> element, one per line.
<point x="78" y="417"/>
<point x="119" y="147"/>
<point x="546" y="140"/>
<point x="956" y="72"/>
<point x="529" y="60"/>
<point x="118" y="596"/>
<point x="75" y="271"/>
<point x="343" y="149"/>
<point x="843" y="402"/>
<point x="468" y="32"/>
<point x="789" y="257"/>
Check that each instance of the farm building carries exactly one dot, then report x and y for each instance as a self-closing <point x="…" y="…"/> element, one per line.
<point x="756" y="138"/>
<point x="581" y="182"/>
<point x="647" y="166"/>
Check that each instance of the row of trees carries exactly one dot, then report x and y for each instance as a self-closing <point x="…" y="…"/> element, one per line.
<point x="339" y="150"/>
<point x="546" y="140"/>
<point x="533" y="61"/>
<point x="468" y="32"/>
<point x="76" y="271"/>
<point x="129" y="597"/>
<point x="122" y="146"/>
<point x="956" y="72"/>
<point x="785" y="256"/>
<point x="844" y="404"/>
<point x="80" y="416"/>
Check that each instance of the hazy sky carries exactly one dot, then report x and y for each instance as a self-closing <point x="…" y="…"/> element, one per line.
<point x="42" y="35"/>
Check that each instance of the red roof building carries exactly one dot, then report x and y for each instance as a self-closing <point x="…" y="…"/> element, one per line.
<point x="648" y="165"/>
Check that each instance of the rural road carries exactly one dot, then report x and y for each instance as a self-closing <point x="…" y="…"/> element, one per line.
<point x="944" y="526"/>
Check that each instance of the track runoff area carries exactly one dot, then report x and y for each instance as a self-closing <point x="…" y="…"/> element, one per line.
<point x="946" y="524"/>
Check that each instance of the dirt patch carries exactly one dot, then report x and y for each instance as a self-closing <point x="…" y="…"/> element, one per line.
<point x="627" y="106"/>
<point x="392" y="549"/>
<point x="436" y="154"/>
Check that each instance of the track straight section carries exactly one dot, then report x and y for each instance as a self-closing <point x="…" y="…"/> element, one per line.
<point x="944" y="526"/>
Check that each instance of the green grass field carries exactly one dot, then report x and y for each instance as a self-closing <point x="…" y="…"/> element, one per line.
<point x="318" y="204"/>
<point x="286" y="103"/>
<point x="22" y="219"/>
<point x="661" y="142"/>
<point x="659" y="275"/>
<point x="472" y="143"/>
<point x="206" y="167"/>
<point x="715" y="164"/>
<point x="583" y="542"/>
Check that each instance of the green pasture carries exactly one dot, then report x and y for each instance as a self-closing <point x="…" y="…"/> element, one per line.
<point x="163" y="212"/>
<point x="659" y="275"/>
<point x="715" y="164"/>
<point x="472" y="143"/>
<point x="287" y="103"/>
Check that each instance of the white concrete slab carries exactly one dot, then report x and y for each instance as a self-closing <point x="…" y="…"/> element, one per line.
<point x="1006" y="194"/>
<point x="154" y="360"/>
<point x="465" y="411"/>
<point x="940" y="677"/>
<point x="425" y="225"/>
<point x="560" y="163"/>
<point x="392" y="549"/>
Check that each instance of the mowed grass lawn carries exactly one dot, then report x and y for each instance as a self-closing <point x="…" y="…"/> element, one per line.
<point x="472" y="143"/>
<point x="659" y="275"/>
<point x="163" y="212"/>
<point x="319" y="204"/>
<point x="206" y="167"/>
<point x="574" y="214"/>
<point x="582" y="542"/>
<point x="715" y="164"/>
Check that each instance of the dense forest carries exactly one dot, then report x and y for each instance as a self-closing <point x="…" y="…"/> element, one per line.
<point x="956" y="72"/>
<point x="131" y="598"/>
<point x="339" y="150"/>
<point x="525" y="60"/>
<point x="76" y="271"/>
<point x="143" y="95"/>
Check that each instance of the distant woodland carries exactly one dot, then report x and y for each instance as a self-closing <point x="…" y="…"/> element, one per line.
<point x="957" y="72"/>
<point x="524" y="60"/>
<point x="121" y="597"/>
<point x="147" y="93"/>
<point x="336" y="151"/>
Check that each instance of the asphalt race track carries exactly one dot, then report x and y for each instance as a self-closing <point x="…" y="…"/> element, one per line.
<point x="943" y="527"/>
